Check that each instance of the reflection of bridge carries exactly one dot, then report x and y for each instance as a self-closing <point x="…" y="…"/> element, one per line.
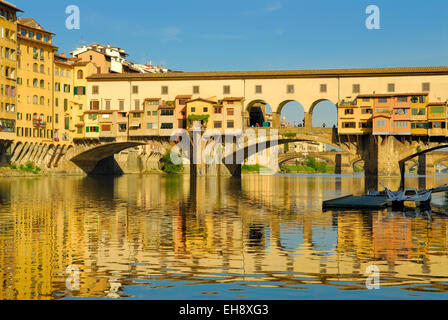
<point x="342" y="162"/>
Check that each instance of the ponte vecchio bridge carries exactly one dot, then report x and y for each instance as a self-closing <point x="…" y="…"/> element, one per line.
<point x="383" y="154"/>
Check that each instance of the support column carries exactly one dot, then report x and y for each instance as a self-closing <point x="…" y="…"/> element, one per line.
<point x="308" y="120"/>
<point x="276" y="121"/>
<point x="381" y="156"/>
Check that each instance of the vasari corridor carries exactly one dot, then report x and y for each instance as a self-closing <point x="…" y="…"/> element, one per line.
<point x="205" y="152"/>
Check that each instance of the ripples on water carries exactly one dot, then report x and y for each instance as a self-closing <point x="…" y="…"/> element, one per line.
<point x="166" y="237"/>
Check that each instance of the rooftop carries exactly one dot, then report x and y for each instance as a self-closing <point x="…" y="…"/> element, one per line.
<point x="441" y="70"/>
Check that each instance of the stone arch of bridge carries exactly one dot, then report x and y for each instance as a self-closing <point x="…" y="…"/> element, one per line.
<point x="88" y="158"/>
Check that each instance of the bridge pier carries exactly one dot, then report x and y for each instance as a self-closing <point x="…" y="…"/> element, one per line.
<point x="426" y="167"/>
<point x="308" y="120"/>
<point x="381" y="156"/>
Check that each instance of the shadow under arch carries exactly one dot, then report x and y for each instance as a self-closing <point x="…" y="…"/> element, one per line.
<point x="257" y="113"/>
<point x="328" y="104"/>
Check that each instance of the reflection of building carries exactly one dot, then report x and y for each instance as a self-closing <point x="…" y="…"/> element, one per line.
<point x="306" y="147"/>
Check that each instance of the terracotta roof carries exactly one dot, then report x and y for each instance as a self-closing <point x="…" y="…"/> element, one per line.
<point x="184" y="96"/>
<point x="392" y="95"/>
<point x="36" y="41"/>
<point x="9" y="5"/>
<point x="167" y="107"/>
<point x="233" y="99"/>
<point x="32" y="24"/>
<point x="136" y="111"/>
<point x="437" y="104"/>
<point x="275" y="74"/>
<point x="152" y="99"/>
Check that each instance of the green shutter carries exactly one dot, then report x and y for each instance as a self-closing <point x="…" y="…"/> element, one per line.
<point x="76" y="90"/>
<point x="87" y="129"/>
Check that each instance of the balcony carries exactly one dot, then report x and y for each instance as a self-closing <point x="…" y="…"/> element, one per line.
<point x="39" y="123"/>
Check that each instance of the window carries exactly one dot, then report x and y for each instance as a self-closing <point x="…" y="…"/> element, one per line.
<point x="95" y="90"/>
<point x="437" y="109"/>
<point x="356" y="88"/>
<point x="382" y="100"/>
<point x="439" y="125"/>
<point x="195" y="89"/>
<point x="418" y="111"/>
<point x="167" y="126"/>
<point x="230" y="112"/>
<point x="193" y="109"/>
<point x="205" y="109"/>
<point x="323" y="88"/>
<point x="365" y="125"/>
<point x="46" y="38"/>
<point x="35" y="67"/>
<point x="35" y="99"/>
<point x="121" y="105"/>
<point x="94" y="105"/>
<point x="218" y="124"/>
<point x="402" y="99"/>
<point x="164" y="90"/>
<point x="391" y="87"/>
<point x="230" y="124"/>
<point x="80" y="74"/>
<point x="258" y="89"/>
<point x="290" y="88"/>
<point x="366" y="111"/>
<point x="166" y="112"/>
<point x="154" y="113"/>
<point x="136" y="115"/>
<point x="349" y="125"/>
<point x="401" y="111"/>
<point x="107" y="104"/>
<point x="137" y="104"/>
<point x="226" y="89"/>
<point x="218" y="110"/>
<point x="401" y="124"/>
<point x="380" y="123"/>
<point x="426" y="86"/>
<point x="38" y="36"/>
<point x="135" y="89"/>
<point x="349" y="111"/>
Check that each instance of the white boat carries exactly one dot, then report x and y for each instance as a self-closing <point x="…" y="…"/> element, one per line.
<point x="413" y="195"/>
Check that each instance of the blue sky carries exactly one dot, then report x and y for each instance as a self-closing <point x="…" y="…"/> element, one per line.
<point x="200" y="35"/>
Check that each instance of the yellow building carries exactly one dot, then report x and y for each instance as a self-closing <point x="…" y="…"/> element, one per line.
<point x="36" y="122"/>
<point x="81" y="70"/>
<point x="199" y="111"/>
<point x="436" y="118"/>
<point x="8" y="91"/>
<point x="419" y="119"/>
<point x="63" y="99"/>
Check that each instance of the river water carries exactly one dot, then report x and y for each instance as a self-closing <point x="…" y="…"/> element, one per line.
<point x="169" y="237"/>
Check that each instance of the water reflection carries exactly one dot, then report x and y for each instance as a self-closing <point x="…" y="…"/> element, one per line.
<point x="169" y="237"/>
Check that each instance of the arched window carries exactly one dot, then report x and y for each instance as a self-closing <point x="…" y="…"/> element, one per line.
<point x="42" y="68"/>
<point x="80" y="74"/>
<point x="35" y="83"/>
<point x="42" y="84"/>
<point x="35" y="67"/>
<point x="35" y="98"/>
<point x="42" y="101"/>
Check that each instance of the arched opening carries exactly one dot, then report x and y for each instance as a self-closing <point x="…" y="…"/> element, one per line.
<point x="292" y="114"/>
<point x="324" y="114"/>
<point x="259" y="114"/>
<point x="358" y="166"/>
<point x="80" y="74"/>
